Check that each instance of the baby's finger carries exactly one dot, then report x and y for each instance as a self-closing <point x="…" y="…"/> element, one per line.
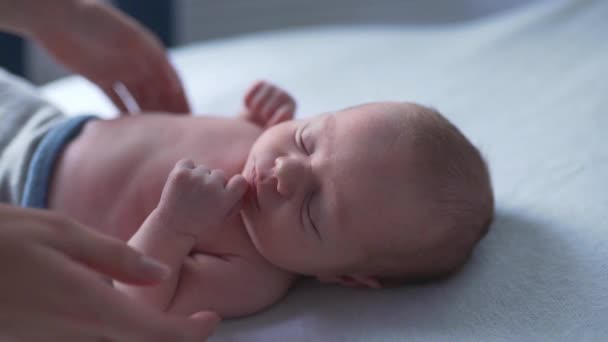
<point x="184" y="164"/>
<point x="202" y="169"/>
<point x="261" y="97"/>
<point x="272" y="103"/>
<point x="237" y="186"/>
<point x="217" y="176"/>
<point x="251" y="93"/>
<point x="283" y="113"/>
<point x="201" y="175"/>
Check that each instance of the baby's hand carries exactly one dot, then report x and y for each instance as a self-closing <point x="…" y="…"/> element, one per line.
<point x="267" y="105"/>
<point x="196" y="198"/>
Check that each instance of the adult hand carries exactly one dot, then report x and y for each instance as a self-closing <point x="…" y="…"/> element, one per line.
<point x="109" y="48"/>
<point x="49" y="291"/>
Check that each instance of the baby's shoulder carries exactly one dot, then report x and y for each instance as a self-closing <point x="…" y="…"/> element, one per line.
<point x="258" y="265"/>
<point x="265" y="283"/>
<point x="232" y="286"/>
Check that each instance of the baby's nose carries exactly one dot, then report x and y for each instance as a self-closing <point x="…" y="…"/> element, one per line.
<point x="291" y="173"/>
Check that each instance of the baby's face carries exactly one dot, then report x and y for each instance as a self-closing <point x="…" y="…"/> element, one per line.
<point x="322" y="191"/>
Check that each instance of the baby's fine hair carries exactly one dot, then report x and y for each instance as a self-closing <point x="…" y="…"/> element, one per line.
<point x="457" y="201"/>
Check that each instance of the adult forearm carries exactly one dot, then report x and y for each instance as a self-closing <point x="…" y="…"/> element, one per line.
<point x="12" y="14"/>
<point x="24" y="17"/>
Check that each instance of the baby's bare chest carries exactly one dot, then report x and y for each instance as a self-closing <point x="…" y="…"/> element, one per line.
<point x="112" y="175"/>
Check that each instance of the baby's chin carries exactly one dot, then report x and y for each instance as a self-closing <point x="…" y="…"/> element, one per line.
<point x="250" y="228"/>
<point x="247" y="171"/>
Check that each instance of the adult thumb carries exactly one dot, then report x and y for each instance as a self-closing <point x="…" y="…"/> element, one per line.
<point x="203" y="323"/>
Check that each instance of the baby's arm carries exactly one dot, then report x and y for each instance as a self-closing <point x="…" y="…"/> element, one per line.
<point x="231" y="286"/>
<point x="194" y="200"/>
<point x="267" y="105"/>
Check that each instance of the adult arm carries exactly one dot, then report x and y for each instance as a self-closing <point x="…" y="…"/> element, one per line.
<point x="107" y="47"/>
<point x="51" y="287"/>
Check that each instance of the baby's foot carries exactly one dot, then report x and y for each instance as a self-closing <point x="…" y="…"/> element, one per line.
<point x="267" y="105"/>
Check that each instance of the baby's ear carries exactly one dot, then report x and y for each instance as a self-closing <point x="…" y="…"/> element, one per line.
<point x="352" y="281"/>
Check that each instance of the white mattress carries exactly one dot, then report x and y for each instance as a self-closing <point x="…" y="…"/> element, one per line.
<point x="529" y="87"/>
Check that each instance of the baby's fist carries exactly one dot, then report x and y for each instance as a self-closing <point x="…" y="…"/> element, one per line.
<point x="195" y="197"/>
<point x="267" y="105"/>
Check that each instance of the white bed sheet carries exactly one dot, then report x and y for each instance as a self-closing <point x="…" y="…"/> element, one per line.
<point x="529" y="87"/>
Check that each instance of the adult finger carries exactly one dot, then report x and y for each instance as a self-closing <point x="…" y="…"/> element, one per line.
<point x="145" y="92"/>
<point x="196" y="328"/>
<point x="144" y="324"/>
<point x="175" y="91"/>
<point x="144" y="83"/>
<point x="178" y="100"/>
<point x="113" y="96"/>
<point x="108" y="256"/>
<point x="161" y="89"/>
<point x="108" y="313"/>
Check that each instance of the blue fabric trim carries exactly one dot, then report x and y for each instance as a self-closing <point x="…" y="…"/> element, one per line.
<point x="42" y="164"/>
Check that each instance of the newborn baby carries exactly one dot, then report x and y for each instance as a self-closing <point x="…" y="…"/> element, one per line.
<point x="366" y="196"/>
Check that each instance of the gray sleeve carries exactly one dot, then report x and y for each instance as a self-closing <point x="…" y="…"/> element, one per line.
<point x="25" y="117"/>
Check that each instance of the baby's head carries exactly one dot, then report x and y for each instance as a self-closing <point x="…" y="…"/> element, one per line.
<point x="381" y="191"/>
